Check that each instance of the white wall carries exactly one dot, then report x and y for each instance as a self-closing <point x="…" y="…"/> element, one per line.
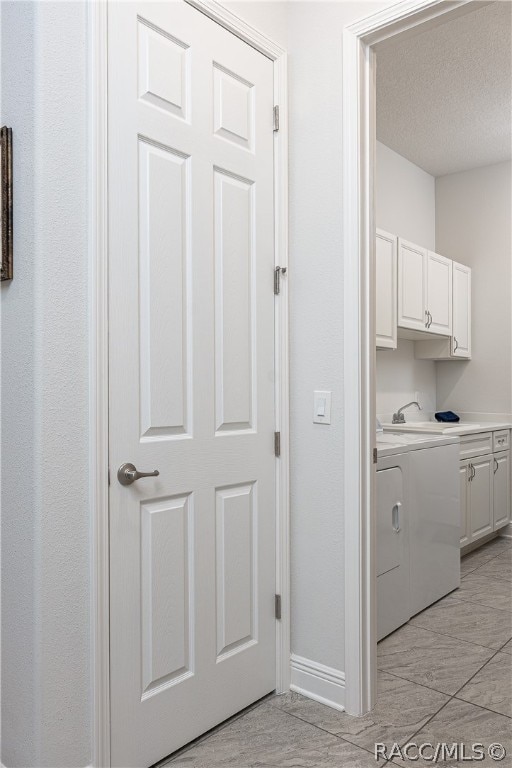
<point x="401" y="378"/>
<point x="405" y="206"/>
<point x="473" y="226"/>
<point x="405" y="198"/>
<point x="313" y="38"/>
<point x="45" y="516"/>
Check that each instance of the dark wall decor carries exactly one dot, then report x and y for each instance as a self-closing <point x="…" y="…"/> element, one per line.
<point x="6" y="203"/>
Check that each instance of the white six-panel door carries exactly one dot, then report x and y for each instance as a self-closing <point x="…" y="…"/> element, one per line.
<point x="191" y="233"/>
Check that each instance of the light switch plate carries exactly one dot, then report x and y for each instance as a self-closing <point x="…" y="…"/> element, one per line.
<point x="322" y="408"/>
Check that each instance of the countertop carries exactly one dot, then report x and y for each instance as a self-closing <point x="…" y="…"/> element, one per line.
<point x="460" y="428"/>
<point x="392" y="443"/>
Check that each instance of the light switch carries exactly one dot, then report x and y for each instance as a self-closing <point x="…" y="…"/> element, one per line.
<point x="322" y="408"/>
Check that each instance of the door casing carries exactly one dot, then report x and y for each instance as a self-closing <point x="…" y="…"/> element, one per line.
<point x="98" y="355"/>
<point x="360" y="42"/>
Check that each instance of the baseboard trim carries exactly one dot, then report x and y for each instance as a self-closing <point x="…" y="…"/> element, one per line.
<point x="316" y="681"/>
<point x="506" y="531"/>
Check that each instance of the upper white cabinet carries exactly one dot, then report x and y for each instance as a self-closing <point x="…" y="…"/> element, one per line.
<point x="458" y="345"/>
<point x="422" y="296"/>
<point x="461" y="346"/>
<point x="386" y="299"/>
<point x="424" y="290"/>
<point x="439" y="294"/>
<point x="412" y="286"/>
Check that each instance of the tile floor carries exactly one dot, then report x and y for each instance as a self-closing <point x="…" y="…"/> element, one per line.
<point x="446" y="676"/>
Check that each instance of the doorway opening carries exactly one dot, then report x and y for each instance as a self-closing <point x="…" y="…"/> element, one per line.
<point x="362" y="42"/>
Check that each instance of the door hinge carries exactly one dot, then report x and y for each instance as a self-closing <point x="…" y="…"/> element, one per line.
<point x="278" y="271"/>
<point x="277" y="443"/>
<point x="374" y="455"/>
<point x="278" y="606"/>
<point x="276" y="118"/>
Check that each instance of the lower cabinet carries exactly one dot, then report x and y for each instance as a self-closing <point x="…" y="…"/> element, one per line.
<point x="481" y="496"/>
<point x="501" y="488"/>
<point x="465" y="526"/>
<point x="485" y="495"/>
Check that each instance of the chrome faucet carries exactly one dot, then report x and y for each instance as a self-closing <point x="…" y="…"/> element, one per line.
<point x="398" y="417"/>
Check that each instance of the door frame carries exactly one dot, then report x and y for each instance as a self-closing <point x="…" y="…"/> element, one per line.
<point x="98" y="353"/>
<point x="360" y="39"/>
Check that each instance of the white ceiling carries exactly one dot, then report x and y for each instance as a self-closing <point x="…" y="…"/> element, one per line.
<point x="444" y="97"/>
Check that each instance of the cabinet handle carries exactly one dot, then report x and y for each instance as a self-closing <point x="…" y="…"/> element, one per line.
<point x="395" y="517"/>
<point x="431" y="319"/>
<point x="496" y="466"/>
<point x="456" y="345"/>
<point x="472" y="472"/>
<point x="426" y="315"/>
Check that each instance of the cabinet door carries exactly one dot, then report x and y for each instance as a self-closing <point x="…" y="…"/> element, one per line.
<point x="439" y="294"/>
<point x="501" y="489"/>
<point x="481" y="496"/>
<point x="461" y="311"/>
<point x="386" y="299"/>
<point x="412" y="286"/>
<point x="465" y="525"/>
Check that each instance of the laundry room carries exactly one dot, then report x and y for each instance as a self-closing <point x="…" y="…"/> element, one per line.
<point x="444" y="344"/>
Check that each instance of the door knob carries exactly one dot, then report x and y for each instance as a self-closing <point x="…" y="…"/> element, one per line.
<point x="128" y="474"/>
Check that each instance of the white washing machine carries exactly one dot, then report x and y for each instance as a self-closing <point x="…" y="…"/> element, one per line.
<point x="418" y="524"/>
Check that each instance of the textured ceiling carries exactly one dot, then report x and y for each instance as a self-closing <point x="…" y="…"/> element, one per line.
<point x="444" y="97"/>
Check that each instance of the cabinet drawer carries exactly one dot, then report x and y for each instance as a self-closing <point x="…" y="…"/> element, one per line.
<point x="475" y="445"/>
<point x="501" y="440"/>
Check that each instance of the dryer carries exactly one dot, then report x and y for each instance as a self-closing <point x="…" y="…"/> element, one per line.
<point x="392" y="512"/>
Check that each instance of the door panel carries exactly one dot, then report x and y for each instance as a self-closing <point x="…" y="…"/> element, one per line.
<point x="501" y="489"/>
<point x="481" y="491"/>
<point x="166" y="560"/>
<point x="411" y="285"/>
<point x="164" y="256"/>
<point x="465" y="521"/>
<point x="236" y="518"/>
<point x="439" y="293"/>
<point x="461" y="310"/>
<point x="386" y="282"/>
<point x="191" y="258"/>
<point x="235" y="302"/>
